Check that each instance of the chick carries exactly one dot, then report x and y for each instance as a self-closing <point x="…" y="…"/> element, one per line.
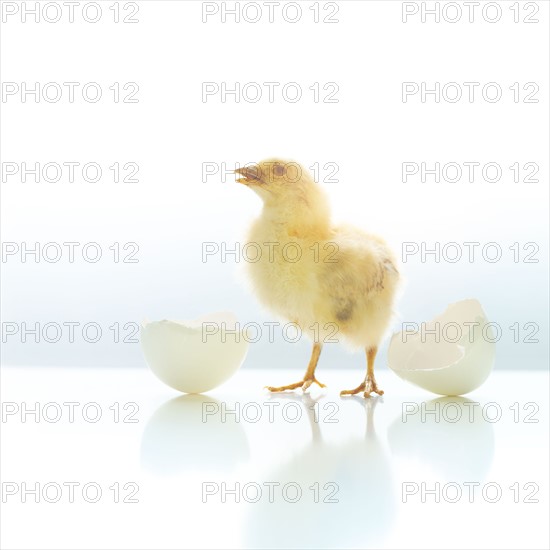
<point x="334" y="282"/>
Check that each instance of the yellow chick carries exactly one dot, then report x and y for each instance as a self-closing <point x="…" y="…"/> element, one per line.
<point x="335" y="282"/>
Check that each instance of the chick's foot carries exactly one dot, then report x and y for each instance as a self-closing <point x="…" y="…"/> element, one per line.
<point x="369" y="386"/>
<point x="304" y="384"/>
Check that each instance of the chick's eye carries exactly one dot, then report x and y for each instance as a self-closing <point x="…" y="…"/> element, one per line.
<point x="279" y="170"/>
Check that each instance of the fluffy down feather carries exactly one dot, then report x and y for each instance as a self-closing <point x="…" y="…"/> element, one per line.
<point x="336" y="282"/>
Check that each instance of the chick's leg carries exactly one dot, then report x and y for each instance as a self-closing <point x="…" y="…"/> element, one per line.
<point x="369" y="384"/>
<point x="309" y="377"/>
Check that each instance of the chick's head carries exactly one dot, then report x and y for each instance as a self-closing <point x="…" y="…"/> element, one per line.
<point x="275" y="180"/>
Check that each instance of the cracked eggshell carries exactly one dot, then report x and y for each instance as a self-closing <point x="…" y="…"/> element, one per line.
<point x="181" y="356"/>
<point x="446" y="367"/>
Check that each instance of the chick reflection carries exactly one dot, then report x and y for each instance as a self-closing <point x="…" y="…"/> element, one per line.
<point x="176" y="439"/>
<point x="360" y="471"/>
<point x="445" y="437"/>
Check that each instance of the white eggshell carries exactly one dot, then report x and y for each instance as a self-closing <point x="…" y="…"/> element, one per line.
<point x="446" y="367"/>
<point x="187" y="358"/>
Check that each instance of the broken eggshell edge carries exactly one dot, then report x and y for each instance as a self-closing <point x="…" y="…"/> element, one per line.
<point x="446" y="368"/>
<point x="189" y="361"/>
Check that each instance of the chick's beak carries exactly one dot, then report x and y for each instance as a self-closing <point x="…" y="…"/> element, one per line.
<point x="251" y="174"/>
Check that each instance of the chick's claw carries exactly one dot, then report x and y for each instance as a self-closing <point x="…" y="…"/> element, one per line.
<point x="304" y="384"/>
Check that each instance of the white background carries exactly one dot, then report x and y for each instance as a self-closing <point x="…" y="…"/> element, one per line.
<point x="171" y="132"/>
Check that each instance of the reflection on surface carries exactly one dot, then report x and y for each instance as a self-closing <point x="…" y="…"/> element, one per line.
<point x="359" y="468"/>
<point x="461" y="450"/>
<point x="176" y="439"/>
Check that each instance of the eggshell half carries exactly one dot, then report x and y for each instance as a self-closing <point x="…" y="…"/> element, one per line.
<point x="447" y="367"/>
<point x="187" y="357"/>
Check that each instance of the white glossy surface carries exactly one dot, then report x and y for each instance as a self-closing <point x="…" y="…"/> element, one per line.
<point x="368" y="453"/>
